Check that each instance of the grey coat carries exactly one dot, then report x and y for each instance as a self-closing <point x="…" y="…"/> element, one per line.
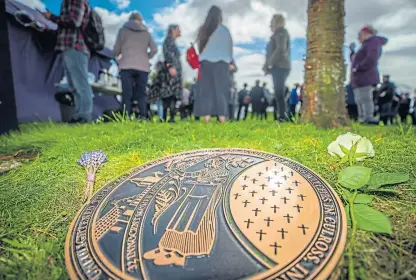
<point x="135" y="45"/>
<point x="278" y="50"/>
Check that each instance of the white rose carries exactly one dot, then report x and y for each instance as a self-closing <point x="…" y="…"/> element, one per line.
<point x="348" y="140"/>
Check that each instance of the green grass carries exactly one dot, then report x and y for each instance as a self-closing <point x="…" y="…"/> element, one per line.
<point x="39" y="200"/>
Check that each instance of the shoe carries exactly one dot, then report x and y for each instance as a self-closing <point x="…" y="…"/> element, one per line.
<point x="171" y="121"/>
<point x="77" y="121"/>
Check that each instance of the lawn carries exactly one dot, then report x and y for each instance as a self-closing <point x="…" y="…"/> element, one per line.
<point x="39" y="199"/>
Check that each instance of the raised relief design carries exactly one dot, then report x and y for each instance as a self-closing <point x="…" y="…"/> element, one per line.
<point x="210" y="214"/>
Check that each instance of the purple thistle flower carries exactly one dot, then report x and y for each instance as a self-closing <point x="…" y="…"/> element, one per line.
<point x="92" y="160"/>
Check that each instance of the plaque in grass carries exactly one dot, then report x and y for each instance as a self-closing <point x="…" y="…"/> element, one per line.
<point x="210" y="214"/>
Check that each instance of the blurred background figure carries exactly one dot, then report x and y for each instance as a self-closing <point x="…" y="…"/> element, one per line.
<point x="364" y="72"/>
<point x="167" y="85"/>
<point x="278" y="62"/>
<point x="233" y="92"/>
<point x="244" y="101"/>
<point x="133" y="49"/>
<point x="216" y="55"/>
<point x="185" y="109"/>
<point x="257" y="101"/>
<point x="385" y="98"/>
<point x="268" y="99"/>
<point x="350" y="102"/>
<point x="293" y="100"/>
<point x="404" y="107"/>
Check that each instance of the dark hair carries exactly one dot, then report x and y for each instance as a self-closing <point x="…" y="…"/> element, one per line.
<point x="245" y="85"/>
<point x="211" y="23"/>
<point x="172" y="27"/>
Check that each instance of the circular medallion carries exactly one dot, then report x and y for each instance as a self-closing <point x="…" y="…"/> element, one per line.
<point x="210" y="214"/>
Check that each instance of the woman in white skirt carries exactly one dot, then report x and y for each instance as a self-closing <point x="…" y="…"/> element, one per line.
<point x="216" y="55"/>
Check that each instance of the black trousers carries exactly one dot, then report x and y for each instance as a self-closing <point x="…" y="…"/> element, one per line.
<point x="352" y="112"/>
<point x="242" y="107"/>
<point x="134" y="83"/>
<point x="169" y="103"/>
<point x="403" y="112"/>
<point x="185" y="111"/>
<point x="292" y="110"/>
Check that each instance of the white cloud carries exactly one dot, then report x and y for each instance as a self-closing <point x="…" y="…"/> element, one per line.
<point x="121" y="4"/>
<point x="248" y="21"/>
<point x="112" y="23"/>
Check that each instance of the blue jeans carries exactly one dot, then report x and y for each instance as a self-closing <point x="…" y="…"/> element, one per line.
<point x="76" y="69"/>
<point x="134" y="84"/>
<point x="279" y="79"/>
<point x="159" y="104"/>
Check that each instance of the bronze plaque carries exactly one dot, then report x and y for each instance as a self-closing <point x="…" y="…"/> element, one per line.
<point x="210" y="214"/>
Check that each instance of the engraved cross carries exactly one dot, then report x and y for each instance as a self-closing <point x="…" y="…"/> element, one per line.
<point x="275" y="246"/>
<point x="263" y="200"/>
<point x="282" y="231"/>
<point x="296" y="183"/>
<point x="298" y="207"/>
<point x="245" y="203"/>
<point x="261" y="233"/>
<point x="248" y="223"/>
<point x="288" y="217"/>
<point x="275" y="208"/>
<point x="268" y="220"/>
<point x="256" y="211"/>
<point x="285" y="199"/>
<point x="237" y="195"/>
<point x="303" y="229"/>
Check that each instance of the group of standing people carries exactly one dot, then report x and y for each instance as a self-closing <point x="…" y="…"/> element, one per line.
<point x="366" y="97"/>
<point x="213" y="90"/>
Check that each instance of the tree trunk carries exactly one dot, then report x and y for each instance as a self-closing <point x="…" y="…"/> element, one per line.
<point x="325" y="65"/>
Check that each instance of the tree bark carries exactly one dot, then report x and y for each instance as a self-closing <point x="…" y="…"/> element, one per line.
<point x="325" y="65"/>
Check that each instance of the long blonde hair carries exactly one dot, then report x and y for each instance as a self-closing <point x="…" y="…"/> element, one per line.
<point x="278" y="21"/>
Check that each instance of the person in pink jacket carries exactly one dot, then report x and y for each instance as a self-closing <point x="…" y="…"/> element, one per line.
<point x="133" y="49"/>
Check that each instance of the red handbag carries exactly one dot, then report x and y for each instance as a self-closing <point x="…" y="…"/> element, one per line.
<point x="193" y="59"/>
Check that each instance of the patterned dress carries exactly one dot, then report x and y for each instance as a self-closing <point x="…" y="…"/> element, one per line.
<point x="165" y="85"/>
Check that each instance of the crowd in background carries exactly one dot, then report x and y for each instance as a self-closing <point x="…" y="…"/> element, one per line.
<point x="214" y="92"/>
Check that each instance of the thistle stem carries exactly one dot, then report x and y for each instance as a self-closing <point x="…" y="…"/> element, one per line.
<point x="351" y="267"/>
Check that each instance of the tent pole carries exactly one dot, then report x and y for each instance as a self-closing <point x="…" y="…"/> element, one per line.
<point x="8" y="111"/>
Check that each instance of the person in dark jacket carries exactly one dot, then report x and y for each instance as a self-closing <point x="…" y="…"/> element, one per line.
<point x="364" y="72"/>
<point x="278" y="62"/>
<point x="243" y="102"/>
<point x="404" y="107"/>
<point x="351" y="105"/>
<point x="293" y="100"/>
<point x="257" y="101"/>
<point x="385" y="100"/>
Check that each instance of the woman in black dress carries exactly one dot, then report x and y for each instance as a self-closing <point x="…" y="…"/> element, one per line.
<point x="168" y="83"/>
